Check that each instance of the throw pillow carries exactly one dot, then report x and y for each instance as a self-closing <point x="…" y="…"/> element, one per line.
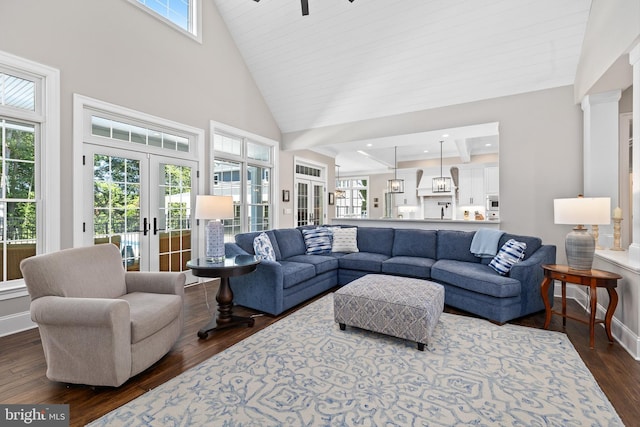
<point x="510" y="253"/>
<point x="345" y="240"/>
<point x="317" y="240"/>
<point x="262" y="247"/>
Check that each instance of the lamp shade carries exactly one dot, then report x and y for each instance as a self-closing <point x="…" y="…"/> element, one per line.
<point x="582" y="210"/>
<point x="214" y="207"/>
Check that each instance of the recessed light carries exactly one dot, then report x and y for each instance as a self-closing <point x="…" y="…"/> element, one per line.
<point x="369" y="145"/>
<point x="446" y="135"/>
<point x="487" y="145"/>
<point x="425" y="151"/>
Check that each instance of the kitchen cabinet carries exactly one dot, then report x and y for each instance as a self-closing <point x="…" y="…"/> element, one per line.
<point x="409" y="197"/>
<point x="492" y="180"/>
<point x="471" y="187"/>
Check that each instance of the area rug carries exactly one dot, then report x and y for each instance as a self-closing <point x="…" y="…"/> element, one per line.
<point x="304" y="371"/>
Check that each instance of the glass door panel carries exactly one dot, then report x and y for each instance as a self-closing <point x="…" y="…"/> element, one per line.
<point x="309" y="198"/>
<point x="116" y="206"/>
<point x="172" y="225"/>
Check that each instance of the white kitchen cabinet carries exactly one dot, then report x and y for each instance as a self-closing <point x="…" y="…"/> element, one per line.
<point x="471" y="186"/>
<point x="492" y="180"/>
<point x="409" y="197"/>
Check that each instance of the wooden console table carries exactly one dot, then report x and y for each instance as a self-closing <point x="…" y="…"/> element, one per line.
<point x="594" y="279"/>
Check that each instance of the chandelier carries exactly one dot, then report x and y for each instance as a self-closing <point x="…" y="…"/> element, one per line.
<point x="395" y="185"/>
<point x="339" y="193"/>
<point x="305" y="6"/>
<point x="441" y="184"/>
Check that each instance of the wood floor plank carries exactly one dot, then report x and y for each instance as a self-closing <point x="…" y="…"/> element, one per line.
<point x="23" y="380"/>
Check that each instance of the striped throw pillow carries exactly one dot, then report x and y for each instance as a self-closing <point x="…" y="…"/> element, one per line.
<point x="510" y="253"/>
<point x="317" y="240"/>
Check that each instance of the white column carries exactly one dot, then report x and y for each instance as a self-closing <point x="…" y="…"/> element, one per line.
<point x="601" y="117"/>
<point x="634" y="248"/>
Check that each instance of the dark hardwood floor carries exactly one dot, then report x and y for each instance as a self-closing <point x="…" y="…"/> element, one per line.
<point x="23" y="380"/>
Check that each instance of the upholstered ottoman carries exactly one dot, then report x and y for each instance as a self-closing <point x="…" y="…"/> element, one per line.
<point x="402" y="307"/>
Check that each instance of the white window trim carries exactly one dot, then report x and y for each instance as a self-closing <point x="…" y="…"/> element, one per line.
<point x="49" y="117"/>
<point x="82" y="103"/>
<point x="217" y="127"/>
<point x="196" y="19"/>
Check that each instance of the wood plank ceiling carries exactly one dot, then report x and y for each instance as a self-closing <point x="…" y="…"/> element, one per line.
<point x="349" y="61"/>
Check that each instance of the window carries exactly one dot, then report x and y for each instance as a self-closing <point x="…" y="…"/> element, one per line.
<point x="183" y="14"/>
<point x="354" y="202"/>
<point x="243" y="166"/>
<point x="29" y="166"/>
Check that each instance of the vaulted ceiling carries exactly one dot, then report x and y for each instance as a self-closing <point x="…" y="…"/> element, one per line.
<point x="349" y="61"/>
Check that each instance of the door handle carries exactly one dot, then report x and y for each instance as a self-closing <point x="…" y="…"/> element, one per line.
<point x="155" y="227"/>
<point x="145" y="226"/>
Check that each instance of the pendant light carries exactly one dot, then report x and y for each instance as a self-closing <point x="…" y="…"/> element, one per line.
<point x="441" y="184"/>
<point x="339" y="193"/>
<point x="395" y="185"/>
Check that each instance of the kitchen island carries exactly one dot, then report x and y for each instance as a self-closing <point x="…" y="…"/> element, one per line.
<point x="422" y="224"/>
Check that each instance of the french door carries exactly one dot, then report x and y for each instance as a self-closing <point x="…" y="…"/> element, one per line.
<point x="309" y="198"/>
<point x="141" y="203"/>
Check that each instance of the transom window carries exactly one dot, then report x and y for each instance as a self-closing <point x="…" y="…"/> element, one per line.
<point x="183" y="14"/>
<point x="108" y="128"/>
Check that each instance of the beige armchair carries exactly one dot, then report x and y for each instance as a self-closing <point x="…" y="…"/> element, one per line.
<point x="99" y="324"/>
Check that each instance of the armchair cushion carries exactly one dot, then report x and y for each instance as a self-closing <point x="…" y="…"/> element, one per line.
<point x="151" y="312"/>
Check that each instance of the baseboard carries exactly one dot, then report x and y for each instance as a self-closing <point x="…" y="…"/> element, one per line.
<point x="625" y="336"/>
<point x="15" y="323"/>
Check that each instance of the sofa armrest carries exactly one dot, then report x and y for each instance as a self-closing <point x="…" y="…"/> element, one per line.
<point x="88" y="312"/>
<point x="530" y="274"/>
<point x="155" y="282"/>
<point x="262" y="289"/>
<point x="232" y="249"/>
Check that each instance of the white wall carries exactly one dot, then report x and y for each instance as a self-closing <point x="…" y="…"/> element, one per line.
<point x="115" y="52"/>
<point x="540" y="151"/>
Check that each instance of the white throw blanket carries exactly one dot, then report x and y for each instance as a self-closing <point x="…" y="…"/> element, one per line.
<point x="485" y="242"/>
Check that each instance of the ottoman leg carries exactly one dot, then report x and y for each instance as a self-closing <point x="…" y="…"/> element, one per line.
<point x="420" y="346"/>
<point x="342" y="326"/>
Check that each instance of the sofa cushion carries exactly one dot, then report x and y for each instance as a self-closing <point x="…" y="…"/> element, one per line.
<point x="510" y="253"/>
<point x="408" y="266"/>
<point x="363" y="261"/>
<point x="533" y="243"/>
<point x="263" y="248"/>
<point x="475" y="277"/>
<point x="415" y="243"/>
<point x="456" y="245"/>
<point x="245" y="241"/>
<point x="345" y="240"/>
<point x="375" y="240"/>
<point x="296" y="272"/>
<point x="317" y="240"/>
<point x="322" y="263"/>
<point x="291" y="242"/>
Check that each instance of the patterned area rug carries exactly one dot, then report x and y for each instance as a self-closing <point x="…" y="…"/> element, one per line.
<point x="304" y="371"/>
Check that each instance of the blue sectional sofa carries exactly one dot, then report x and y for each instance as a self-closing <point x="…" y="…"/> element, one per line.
<point x="442" y="256"/>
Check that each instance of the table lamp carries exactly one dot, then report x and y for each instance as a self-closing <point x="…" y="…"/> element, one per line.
<point x="214" y="208"/>
<point x="580" y="244"/>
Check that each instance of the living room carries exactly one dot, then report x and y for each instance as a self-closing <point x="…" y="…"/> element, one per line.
<point x="110" y="54"/>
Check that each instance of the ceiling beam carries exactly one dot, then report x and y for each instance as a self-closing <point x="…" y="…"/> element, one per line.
<point x="463" y="150"/>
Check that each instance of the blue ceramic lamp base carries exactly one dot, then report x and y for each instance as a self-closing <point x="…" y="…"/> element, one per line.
<point x="214" y="241"/>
